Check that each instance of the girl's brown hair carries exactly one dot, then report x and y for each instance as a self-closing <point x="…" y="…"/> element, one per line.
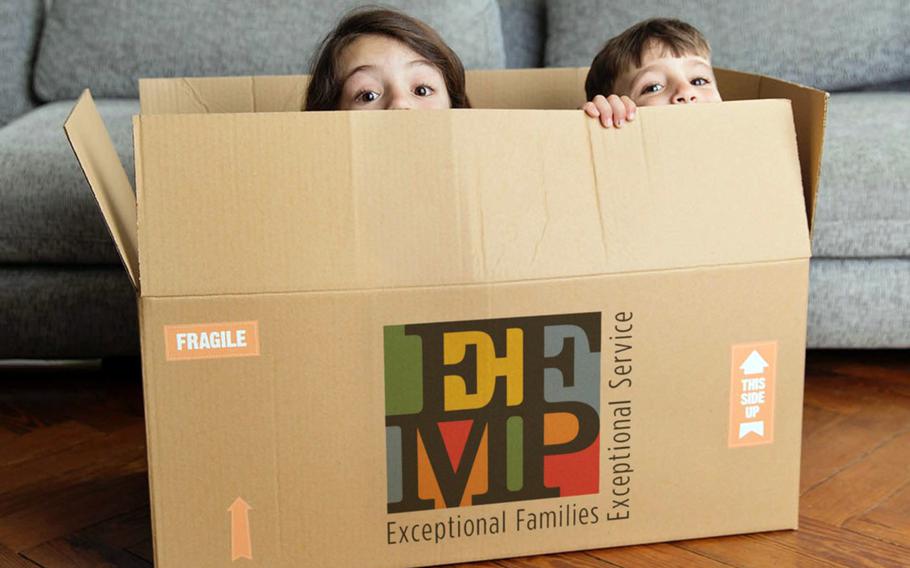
<point x="325" y="86"/>
<point x="626" y="50"/>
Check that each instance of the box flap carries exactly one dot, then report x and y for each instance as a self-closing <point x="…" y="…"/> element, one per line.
<point x="505" y="89"/>
<point x="281" y="202"/>
<point x="552" y="88"/>
<point x="105" y="174"/>
<point x="810" y="107"/>
<point x="197" y="95"/>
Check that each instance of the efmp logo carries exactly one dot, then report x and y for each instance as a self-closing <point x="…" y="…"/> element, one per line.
<point x="491" y="411"/>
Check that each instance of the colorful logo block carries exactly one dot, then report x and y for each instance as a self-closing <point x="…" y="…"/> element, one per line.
<point x="492" y="411"/>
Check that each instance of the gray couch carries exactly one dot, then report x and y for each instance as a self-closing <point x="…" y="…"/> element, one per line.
<point x="63" y="292"/>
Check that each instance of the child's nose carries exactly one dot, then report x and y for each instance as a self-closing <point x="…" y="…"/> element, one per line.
<point x="685" y="94"/>
<point x="400" y="100"/>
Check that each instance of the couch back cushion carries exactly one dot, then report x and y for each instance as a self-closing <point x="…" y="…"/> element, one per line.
<point x="107" y="46"/>
<point x="828" y="44"/>
<point x="524" y="28"/>
<point x="20" y="23"/>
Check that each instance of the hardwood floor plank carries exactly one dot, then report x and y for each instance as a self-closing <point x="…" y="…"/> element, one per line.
<point x="882" y="370"/>
<point x="78" y="552"/>
<point x="889" y="521"/>
<point x="75" y="507"/>
<point x="816" y="418"/>
<point x="9" y="559"/>
<point x="122" y="531"/>
<point x="837" y="546"/>
<point x="45" y="442"/>
<point x="144" y="549"/>
<point x="844" y="442"/>
<point x="564" y="560"/>
<point x="747" y="551"/>
<point x="858" y="488"/>
<point x="664" y="555"/>
<point x="122" y="452"/>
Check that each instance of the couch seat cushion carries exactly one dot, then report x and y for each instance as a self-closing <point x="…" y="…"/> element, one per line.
<point x="863" y="204"/>
<point x="47" y="211"/>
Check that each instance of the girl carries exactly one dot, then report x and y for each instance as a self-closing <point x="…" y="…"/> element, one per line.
<point x="383" y="60"/>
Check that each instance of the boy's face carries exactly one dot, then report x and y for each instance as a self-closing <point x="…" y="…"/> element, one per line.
<point x="381" y="73"/>
<point x="663" y="79"/>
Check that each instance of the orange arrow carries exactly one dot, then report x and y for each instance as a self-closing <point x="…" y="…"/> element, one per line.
<point x="241" y="545"/>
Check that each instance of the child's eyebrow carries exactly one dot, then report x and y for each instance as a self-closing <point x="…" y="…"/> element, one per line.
<point x="422" y="63"/>
<point x="370" y="67"/>
<point x="699" y="63"/>
<point x="357" y="70"/>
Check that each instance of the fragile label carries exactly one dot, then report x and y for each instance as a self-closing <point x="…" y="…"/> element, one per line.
<point x="211" y="340"/>
<point x="752" y="374"/>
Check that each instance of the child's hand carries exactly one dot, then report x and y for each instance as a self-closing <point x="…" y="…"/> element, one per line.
<point x="612" y="110"/>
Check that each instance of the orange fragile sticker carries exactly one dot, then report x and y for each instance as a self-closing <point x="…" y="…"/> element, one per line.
<point x="752" y="372"/>
<point x="211" y="340"/>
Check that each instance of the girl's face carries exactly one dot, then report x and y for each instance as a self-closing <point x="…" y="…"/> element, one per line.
<point x="381" y="73"/>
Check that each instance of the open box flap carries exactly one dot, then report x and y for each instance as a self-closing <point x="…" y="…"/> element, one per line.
<point x="540" y="89"/>
<point x="105" y="174"/>
<point x="294" y="202"/>
<point x="810" y="107"/>
<point x="551" y="88"/>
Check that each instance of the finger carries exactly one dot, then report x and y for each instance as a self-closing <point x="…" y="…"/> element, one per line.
<point x="619" y="110"/>
<point x="591" y="109"/>
<point x="631" y="108"/>
<point x="605" y="110"/>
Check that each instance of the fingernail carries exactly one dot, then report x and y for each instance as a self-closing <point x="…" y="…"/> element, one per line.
<point x="608" y="123"/>
<point x="631" y="116"/>
<point x="619" y="123"/>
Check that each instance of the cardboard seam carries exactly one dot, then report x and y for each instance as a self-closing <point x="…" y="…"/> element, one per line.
<point x="591" y="124"/>
<point x="482" y="284"/>
<point x="151" y="434"/>
<point x="546" y="219"/>
<point x="138" y="175"/>
<point x="276" y="459"/>
<point x="194" y="94"/>
<point x="818" y="167"/>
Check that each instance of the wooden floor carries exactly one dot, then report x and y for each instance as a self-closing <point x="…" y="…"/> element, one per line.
<point x="74" y="488"/>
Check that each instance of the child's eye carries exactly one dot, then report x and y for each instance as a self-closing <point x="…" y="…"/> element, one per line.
<point x="366" y="96"/>
<point x="700" y="82"/>
<point x="655" y="88"/>
<point x="423" y="91"/>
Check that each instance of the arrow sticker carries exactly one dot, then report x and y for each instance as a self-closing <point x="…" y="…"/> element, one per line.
<point x="241" y="545"/>
<point x="754" y="364"/>
<point x="753" y="368"/>
<point x="747" y="427"/>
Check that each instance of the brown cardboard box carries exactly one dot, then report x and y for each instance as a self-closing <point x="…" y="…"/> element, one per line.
<point x="389" y="339"/>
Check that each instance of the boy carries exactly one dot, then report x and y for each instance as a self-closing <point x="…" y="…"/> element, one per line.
<point x="655" y="62"/>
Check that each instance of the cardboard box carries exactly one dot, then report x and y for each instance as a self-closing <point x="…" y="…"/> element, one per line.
<point x="394" y="339"/>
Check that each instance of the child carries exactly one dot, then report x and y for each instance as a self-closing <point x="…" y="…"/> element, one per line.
<point x="381" y="59"/>
<point x="655" y="62"/>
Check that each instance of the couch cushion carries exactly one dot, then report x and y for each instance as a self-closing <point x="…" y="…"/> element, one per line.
<point x="858" y="303"/>
<point x="524" y="27"/>
<point x="47" y="211"/>
<point x="863" y="204"/>
<point x="20" y="22"/>
<point x="829" y="44"/>
<point x="107" y="46"/>
<point x="58" y="312"/>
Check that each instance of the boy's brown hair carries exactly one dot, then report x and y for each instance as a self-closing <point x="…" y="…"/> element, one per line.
<point x="625" y="50"/>
<point x="325" y="86"/>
